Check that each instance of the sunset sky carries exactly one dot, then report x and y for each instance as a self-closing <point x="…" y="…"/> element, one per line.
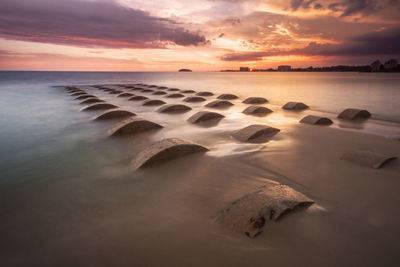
<point x="165" y="35"/>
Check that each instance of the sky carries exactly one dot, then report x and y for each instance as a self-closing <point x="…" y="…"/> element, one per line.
<point x="202" y="35"/>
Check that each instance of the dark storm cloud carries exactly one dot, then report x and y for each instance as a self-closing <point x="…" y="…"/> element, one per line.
<point x="89" y="23"/>
<point x="383" y="43"/>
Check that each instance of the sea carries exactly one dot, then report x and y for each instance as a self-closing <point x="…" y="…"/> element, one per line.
<point x="63" y="192"/>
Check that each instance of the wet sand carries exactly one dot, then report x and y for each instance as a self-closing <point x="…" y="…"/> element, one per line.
<point x="165" y="215"/>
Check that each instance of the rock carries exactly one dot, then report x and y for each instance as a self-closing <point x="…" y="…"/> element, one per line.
<point x="316" y="120"/>
<point x="368" y="158"/>
<point x="84" y="97"/>
<point x="202" y="116"/>
<point x="295" y="106"/>
<point x="79" y="93"/>
<point x="194" y="99"/>
<point x="219" y="104"/>
<point x="136" y="89"/>
<point x="116" y="92"/>
<point x="152" y="86"/>
<point x="257" y="111"/>
<point x="188" y="91"/>
<point x="255" y="100"/>
<point x="173" y="89"/>
<point x="174" y="108"/>
<point x="133" y="126"/>
<point x="99" y="106"/>
<point x="125" y="95"/>
<point x="165" y="150"/>
<point x="153" y="102"/>
<point x="159" y="93"/>
<point x="354" y="114"/>
<point x="251" y="213"/>
<point x="204" y="93"/>
<point x="174" y="96"/>
<point x="138" y="98"/>
<point x="227" y="97"/>
<point x="114" y="114"/>
<point x="162" y="87"/>
<point x="256" y="133"/>
<point x="147" y="91"/>
<point x="92" y="100"/>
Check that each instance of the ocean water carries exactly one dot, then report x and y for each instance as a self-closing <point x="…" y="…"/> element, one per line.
<point x="67" y="195"/>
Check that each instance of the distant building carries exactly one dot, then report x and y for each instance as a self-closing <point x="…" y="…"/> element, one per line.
<point x="390" y="64"/>
<point x="284" y="68"/>
<point x="376" y="66"/>
<point x="244" y="69"/>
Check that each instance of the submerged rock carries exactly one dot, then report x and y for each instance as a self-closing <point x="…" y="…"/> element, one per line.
<point x="92" y="100"/>
<point x="255" y="100"/>
<point x="256" y="133"/>
<point x="173" y="89"/>
<point x="159" y="93"/>
<point x="125" y="95"/>
<point x="295" y="106"/>
<point x="114" y="114"/>
<point x="174" y="108"/>
<point x="147" y="91"/>
<point x="188" y="91"/>
<point x="354" y="114"/>
<point x="219" y="104"/>
<point x="138" y="98"/>
<point x="153" y="102"/>
<point x="257" y="111"/>
<point x="205" y="93"/>
<point x="174" y="96"/>
<point x="194" y="99"/>
<point x="115" y="92"/>
<point x="227" y="96"/>
<point x="165" y="150"/>
<point x="251" y="213"/>
<point x="202" y="116"/>
<point x="79" y="93"/>
<point x="316" y="120"/>
<point x="99" y="106"/>
<point x="133" y="126"/>
<point x="84" y="97"/>
<point x="368" y="158"/>
<point x="162" y="87"/>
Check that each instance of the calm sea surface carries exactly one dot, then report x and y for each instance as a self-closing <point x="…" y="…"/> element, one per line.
<point x="53" y="160"/>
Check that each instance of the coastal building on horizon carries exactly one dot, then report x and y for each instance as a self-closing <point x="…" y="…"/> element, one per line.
<point x="284" y="68"/>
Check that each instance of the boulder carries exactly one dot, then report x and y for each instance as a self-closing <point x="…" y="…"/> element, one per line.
<point x="174" y="96"/>
<point x="202" y="116"/>
<point x="354" y="114"/>
<point x="270" y="203"/>
<point x="173" y="89"/>
<point x="194" y="99"/>
<point x="368" y="158"/>
<point x="115" y="92"/>
<point x="99" y="106"/>
<point x="125" y="95"/>
<point x="295" y="106"/>
<point x="316" y="120"/>
<point x="147" y="91"/>
<point x="174" y="108"/>
<point x="138" y="98"/>
<point x="84" y="97"/>
<point x="255" y="100"/>
<point x="92" y="100"/>
<point x="136" y="89"/>
<point x="114" y="114"/>
<point x="256" y="111"/>
<point x="227" y="97"/>
<point x="159" y="93"/>
<point x="79" y="93"/>
<point x="188" y="91"/>
<point x="166" y="150"/>
<point x="256" y="133"/>
<point x="133" y="126"/>
<point x="162" y="87"/>
<point x="153" y="102"/>
<point x="152" y="86"/>
<point x="219" y="104"/>
<point x="204" y="93"/>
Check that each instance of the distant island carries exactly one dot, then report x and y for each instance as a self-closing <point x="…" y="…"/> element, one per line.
<point x="391" y="65"/>
<point x="185" y="70"/>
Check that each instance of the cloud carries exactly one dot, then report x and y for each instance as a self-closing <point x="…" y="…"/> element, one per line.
<point x="90" y="24"/>
<point x="383" y="43"/>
